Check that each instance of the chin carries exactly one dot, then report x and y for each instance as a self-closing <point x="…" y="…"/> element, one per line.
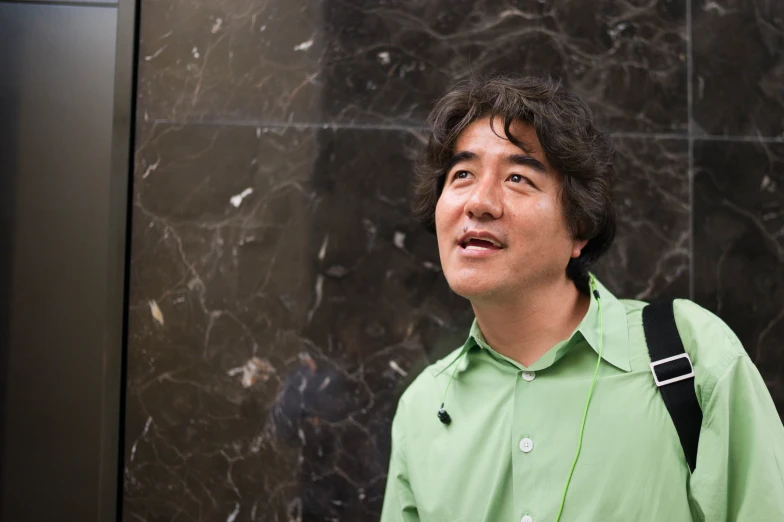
<point x="472" y="289"/>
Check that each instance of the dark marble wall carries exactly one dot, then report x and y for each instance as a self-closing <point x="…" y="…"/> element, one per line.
<point x="281" y="296"/>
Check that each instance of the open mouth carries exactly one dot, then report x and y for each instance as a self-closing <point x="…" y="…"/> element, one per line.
<point x="479" y="244"/>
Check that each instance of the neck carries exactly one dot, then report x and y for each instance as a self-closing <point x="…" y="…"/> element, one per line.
<point x="525" y="327"/>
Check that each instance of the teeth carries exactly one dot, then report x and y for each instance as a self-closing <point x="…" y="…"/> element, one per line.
<point x="483" y="239"/>
<point x="474" y="247"/>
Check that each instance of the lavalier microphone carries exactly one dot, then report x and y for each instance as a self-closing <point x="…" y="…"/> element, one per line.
<point x="443" y="416"/>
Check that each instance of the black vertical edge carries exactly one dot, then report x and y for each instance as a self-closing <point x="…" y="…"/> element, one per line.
<point x="112" y="477"/>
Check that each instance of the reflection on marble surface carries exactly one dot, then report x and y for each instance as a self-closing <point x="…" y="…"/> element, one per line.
<point x="739" y="67"/>
<point x="739" y="247"/>
<point x="281" y="299"/>
<point x="650" y="256"/>
<point x="385" y="62"/>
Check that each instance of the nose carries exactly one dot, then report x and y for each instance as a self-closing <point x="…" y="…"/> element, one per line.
<point x="485" y="200"/>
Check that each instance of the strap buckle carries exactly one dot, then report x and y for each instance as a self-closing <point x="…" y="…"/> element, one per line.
<point x="672" y="379"/>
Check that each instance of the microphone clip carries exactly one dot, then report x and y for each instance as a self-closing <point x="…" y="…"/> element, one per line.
<point x="443" y="416"/>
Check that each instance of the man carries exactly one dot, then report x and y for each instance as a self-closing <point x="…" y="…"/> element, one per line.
<point x="549" y="411"/>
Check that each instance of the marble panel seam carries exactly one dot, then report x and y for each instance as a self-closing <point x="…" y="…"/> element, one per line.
<point x="291" y="125"/>
<point x="419" y="128"/>
<point x="690" y="127"/>
<point x="744" y="139"/>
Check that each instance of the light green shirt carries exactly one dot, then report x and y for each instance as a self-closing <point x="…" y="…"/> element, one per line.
<point x="507" y="453"/>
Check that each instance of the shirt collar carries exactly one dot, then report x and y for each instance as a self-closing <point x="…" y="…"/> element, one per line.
<point x="616" y="335"/>
<point x="615" y="329"/>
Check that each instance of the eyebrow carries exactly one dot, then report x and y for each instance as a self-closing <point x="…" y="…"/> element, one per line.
<point x="523" y="160"/>
<point x="527" y="161"/>
<point x="463" y="155"/>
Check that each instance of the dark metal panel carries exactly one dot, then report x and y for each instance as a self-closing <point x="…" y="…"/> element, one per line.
<point x="60" y="344"/>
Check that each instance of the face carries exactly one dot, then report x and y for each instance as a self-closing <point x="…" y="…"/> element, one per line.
<point x="500" y="224"/>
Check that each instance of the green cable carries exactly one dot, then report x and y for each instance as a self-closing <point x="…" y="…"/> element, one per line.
<point x="587" y="403"/>
<point x="457" y="363"/>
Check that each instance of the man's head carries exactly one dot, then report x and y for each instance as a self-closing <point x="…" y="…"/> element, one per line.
<point x="519" y="161"/>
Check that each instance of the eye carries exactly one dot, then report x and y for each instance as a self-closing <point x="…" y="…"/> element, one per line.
<point x="517" y="178"/>
<point x="462" y="174"/>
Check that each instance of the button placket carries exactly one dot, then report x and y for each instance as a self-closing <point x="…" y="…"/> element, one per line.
<point x="523" y="463"/>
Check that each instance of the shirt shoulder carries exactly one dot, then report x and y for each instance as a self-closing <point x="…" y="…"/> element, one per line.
<point x="712" y="346"/>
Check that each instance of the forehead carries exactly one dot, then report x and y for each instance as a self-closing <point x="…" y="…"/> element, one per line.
<point x="480" y="135"/>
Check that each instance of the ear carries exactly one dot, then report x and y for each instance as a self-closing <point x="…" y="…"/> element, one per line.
<point x="577" y="247"/>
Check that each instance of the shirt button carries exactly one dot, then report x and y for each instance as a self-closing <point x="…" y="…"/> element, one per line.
<point x="526" y="445"/>
<point x="526" y="519"/>
<point x="529" y="376"/>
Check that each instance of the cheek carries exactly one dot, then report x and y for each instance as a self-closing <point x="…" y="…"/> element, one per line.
<point x="544" y="207"/>
<point x="540" y="217"/>
<point x="446" y="210"/>
<point x="548" y="211"/>
<point x="439" y="215"/>
<point x="442" y="229"/>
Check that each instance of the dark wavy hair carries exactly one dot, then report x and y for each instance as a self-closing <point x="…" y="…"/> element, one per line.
<point x="573" y="145"/>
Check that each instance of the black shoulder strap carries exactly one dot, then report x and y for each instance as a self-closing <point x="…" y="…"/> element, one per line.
<point x="673" y="374"/>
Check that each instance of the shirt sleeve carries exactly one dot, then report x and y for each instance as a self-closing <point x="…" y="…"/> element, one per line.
<point x="740" y="460"/>
<point x="399" y="504"/>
